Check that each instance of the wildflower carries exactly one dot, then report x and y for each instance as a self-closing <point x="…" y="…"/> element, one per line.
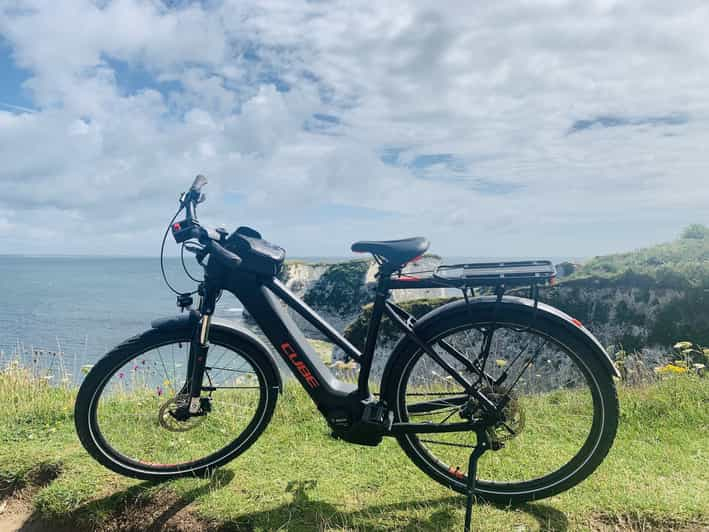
<point x="135" y="368"/>
<point x="159" y="391"/>
<point x="670" y="369"/>
<point x="121" y="375"/>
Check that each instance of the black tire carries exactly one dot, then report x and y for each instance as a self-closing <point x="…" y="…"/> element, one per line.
<point x="403" y="370"/>
<point x="94" y="391"/>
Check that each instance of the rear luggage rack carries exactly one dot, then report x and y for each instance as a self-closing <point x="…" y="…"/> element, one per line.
<point x="519" y="273"/>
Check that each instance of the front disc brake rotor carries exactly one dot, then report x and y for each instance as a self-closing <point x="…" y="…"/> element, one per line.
<point x="174" y="415"/>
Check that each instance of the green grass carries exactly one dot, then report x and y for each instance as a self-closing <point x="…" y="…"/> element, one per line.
<point x="297" y="478"/>
<point x="680" y="264"/>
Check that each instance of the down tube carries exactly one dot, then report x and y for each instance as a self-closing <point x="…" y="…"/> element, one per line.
<point x="326" y="390"/>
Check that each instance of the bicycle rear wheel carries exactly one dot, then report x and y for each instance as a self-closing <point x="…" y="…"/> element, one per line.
<point x="127" y="412"/>
<point x="561" y="418"/>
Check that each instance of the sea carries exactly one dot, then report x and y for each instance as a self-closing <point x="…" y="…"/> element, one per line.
<point x="83" y="306"/>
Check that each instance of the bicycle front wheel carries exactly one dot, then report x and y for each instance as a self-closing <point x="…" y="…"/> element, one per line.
<point x="128" y="409"/>
<point x="561" y="416"/>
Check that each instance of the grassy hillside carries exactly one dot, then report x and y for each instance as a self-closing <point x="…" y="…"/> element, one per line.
<point x="646" y="298"/>
<point x="679" y="264"/>
<point x="297" y="478"/>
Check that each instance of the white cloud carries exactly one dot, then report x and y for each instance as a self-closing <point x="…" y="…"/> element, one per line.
<point x="133" y="98"/>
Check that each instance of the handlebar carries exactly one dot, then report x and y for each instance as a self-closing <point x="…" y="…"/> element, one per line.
<point x="198" y="183"/>
<point x="193" y="196"/>
<point x="191" y="229"/>
<point x="223" y="255"/>
<point x="209" y="238"/>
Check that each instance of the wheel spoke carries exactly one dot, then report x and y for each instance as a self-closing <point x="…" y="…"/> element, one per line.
<point x="141" y="421"/>
<point x="527" y="363"/>
<point x="548" y="412"/>
<point x="436" y="404"/>
<point x="233" y="370"/>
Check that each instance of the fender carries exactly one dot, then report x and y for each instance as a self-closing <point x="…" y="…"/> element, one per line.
<point x="574" y="326"/>
<point x="191" y="319"/>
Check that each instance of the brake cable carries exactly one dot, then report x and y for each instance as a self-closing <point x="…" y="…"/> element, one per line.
<point x="162" y="257"/>
<point x="182" y="259"/>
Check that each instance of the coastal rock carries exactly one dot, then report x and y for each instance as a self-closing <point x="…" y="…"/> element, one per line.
<point x="338" y="291"/>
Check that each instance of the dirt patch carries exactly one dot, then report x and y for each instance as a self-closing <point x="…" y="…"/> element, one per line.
<point x="163" y="511"/>
<point x="132" y="510"/>
<point x="17" y="514"/>
<point x="643" y="523"/>
<point x="16" y="495"/>
<point x="14" y="513"/>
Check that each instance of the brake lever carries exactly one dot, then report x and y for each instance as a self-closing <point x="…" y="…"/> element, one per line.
<point x="193" y="249"/>
<point x="199" y="252"/>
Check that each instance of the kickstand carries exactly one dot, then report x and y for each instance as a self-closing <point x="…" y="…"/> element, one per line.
<point x="482" y="445"/>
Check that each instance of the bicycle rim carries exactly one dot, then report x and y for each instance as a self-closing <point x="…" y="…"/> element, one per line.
<point x="133" y="409"/>
<point x="554" y="417"/>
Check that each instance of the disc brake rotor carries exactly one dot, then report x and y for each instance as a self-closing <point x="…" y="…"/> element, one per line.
<point x="172" y="411"/>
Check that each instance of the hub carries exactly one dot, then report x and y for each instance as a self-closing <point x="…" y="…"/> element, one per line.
<point x="174" y="415"/>
<point x="506" y="424"/>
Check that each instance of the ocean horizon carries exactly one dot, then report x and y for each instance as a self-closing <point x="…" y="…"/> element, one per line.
<point x="84" y="305"/>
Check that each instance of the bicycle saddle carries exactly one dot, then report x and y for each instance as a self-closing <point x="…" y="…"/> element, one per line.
<point x="395" y="252"/>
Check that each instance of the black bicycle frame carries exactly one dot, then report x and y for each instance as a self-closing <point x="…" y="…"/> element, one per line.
<point x="262" y="298"/>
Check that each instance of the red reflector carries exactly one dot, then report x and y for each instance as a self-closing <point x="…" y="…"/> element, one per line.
<point x="576" y="322"/>
<point x="176" y="227"/>
<point x="407" y="278"/>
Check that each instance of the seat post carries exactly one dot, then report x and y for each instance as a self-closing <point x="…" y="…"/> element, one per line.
<point x="382" y="293"/>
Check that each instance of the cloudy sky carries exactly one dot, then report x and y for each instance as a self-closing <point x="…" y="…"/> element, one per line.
<point x="494" y="128"/>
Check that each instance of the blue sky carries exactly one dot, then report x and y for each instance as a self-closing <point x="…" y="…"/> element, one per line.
<point x="530" y="129"/>
<point x="13" y="96"/>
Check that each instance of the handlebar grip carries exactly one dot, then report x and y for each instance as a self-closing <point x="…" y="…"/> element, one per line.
<point x="198" y="183"/>
<point x="225" y="256"/>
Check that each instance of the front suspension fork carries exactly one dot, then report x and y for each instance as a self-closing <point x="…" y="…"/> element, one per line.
<point x="199" y="347"/>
